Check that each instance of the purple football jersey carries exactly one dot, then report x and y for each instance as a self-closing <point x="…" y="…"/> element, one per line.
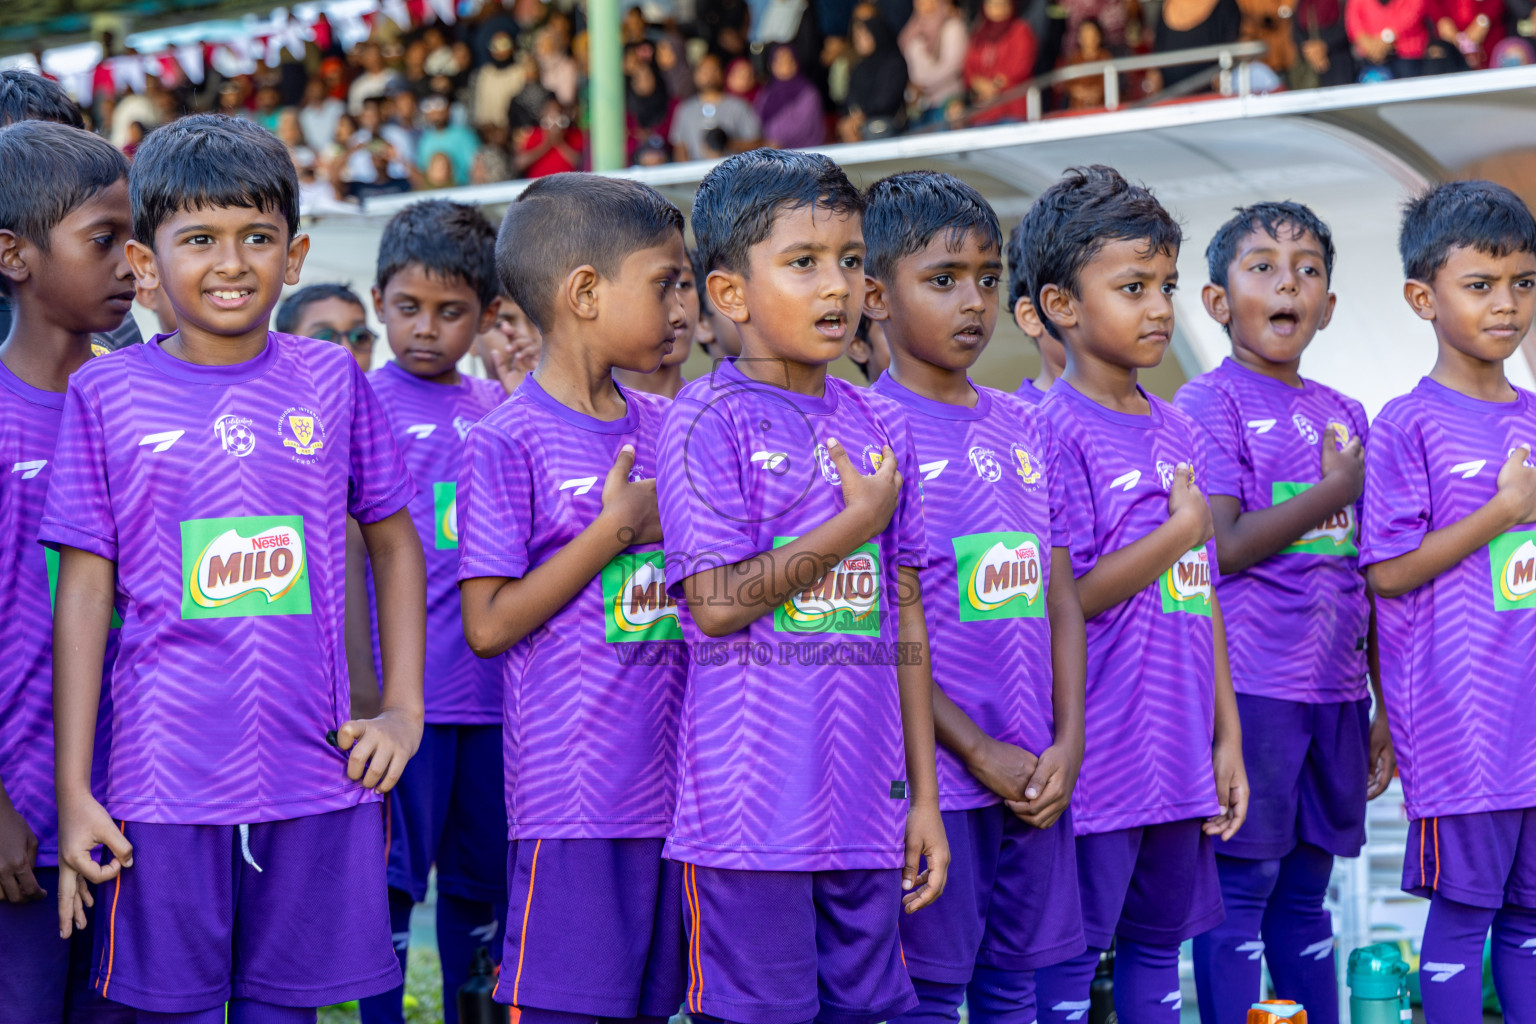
<point x="222" y="493"/>
<point x="1150" y="698"/>
<point x="1297" y="621"/>
<point x="430" y="423"/>
<point x="1030" y="393"/>
<point x="791" y="741"/>
<point x="590" y="698"/>
<point x="1457" y="670"/>
<point x="993" y="510"/>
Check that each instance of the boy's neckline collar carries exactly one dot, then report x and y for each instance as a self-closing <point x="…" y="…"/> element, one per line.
<point x="892" y="388"/>
<point x="1151" y="421"/>
<point x="1266" y="379"/>
<point x="1521" y="403"/>
<point x="394" y="369"/>
<point x="625" y="424"/>
<point x="202" y="373"/>
<point x="822" y="404"/>
<point x="27" y="393"/>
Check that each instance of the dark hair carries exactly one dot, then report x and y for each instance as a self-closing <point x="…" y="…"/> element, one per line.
<point x="452" y="241"/>
<point x="1018" y="265"/>
<point x="28" y="96"/>
<point x="700" y="275"/>
<point x="739" y="200"/>
<point x="1073" y="220"/>
<point x="564" y="221"/>
<point x="903" y="213"/>
<point x="1462" y="214"/>
<point x="291" y="310"/>
<point x="210" y="160"/>
<point x="861" y="333"/>
<point x="1270" y="218"/>
<point x="47" y="170"/>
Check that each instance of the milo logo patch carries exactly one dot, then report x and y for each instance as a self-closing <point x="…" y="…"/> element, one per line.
<point x="999" y="576"/>
<point x="445" y="515"/>
<point x="845" y="600"/>
<point x="1335" y="536"/>
<point x="636" y="605"/>
<point x="1186" y="586"/>
<point x="250" y="565"/>
<point x="1512" y="558"/>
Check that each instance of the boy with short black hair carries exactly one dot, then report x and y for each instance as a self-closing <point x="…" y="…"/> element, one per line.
<point x="63" y="270"/>
<point x="869" y="350"/>
<point x="328" y="312"/>
<point x="210" y="474"/>
<point x="1450" y="497"/>
<point x="807" y="796"/>
<point x="1004" y="622"/>
<point x="716" y="335"/>
<point x="1162" y="770"/>
<point x="435" y="289"/>
<point x="1284" y="457"/>
<point x="560" y="564"/>
<point x="1053" y="358"/>
<point x="667" y="380"/>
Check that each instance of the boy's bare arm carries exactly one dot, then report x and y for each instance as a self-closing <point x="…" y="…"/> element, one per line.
<point x="925" y="839"/>
<point x="1226" y="741"/>
<point x="1049" y="791"/>
<point x="1002" y="767"/>
<point x="1122" y="574"/>
<point x="380" y="746"/>
<point x="1244" y="539"/>
<point x="81" y="619"/>
<point x="728" y="598"/>
<point x="499" y="611"/>
<point x="1513" y="504"/>
<point x="1383" y="758"/>
<point x="361" y="676"/>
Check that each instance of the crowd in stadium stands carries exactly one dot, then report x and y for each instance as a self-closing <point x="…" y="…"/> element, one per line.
<point x="501" y="93"/>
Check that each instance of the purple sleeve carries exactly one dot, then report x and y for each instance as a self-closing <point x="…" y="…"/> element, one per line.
<point x="1202" y="456"/>
<point x="78" y="510"/>
<point x="1217" y="426"/>
<point x="1077" y="492"/>
<point x="911" y="532"/>
<point x="1396" y="495"/>
<point x="705" y="518"/>
<point x="1056" y="486"/>
<point x="380" y="484"/>
<point x="495" y="507"/>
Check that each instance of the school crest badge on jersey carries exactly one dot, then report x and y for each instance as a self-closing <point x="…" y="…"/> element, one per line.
<point x="302" y="433"/>
<point x="1027" y="466"/>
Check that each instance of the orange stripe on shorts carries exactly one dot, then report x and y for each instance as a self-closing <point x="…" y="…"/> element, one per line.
<point x="522" y="942"/>
<point x="117" y="890"/>
<point x="695" y="943"/>
<point x="1436" y="886"/>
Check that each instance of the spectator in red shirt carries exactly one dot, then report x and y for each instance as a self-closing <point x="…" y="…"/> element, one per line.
<point x="1474" y="27"/>
<point x="1002" y="55"/>
<point x="549" y="147"/>
<point x="1389" y="36"/>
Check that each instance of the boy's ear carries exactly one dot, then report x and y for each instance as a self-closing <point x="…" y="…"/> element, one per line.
<point x="1220" y="309"/>
<point x="1058" y="305"/>
<point x="141" y="260"/>
<point x="1026" y="319"/>
<point x="13" y="258"/>
<point x="378" y="303"/>
<point x="488" y="315"/>
<point x="1328" y="311"/>
<point x="298" y="248"/>
<point x="875" y="305"/>
<point x="727" y="293"/>
<point x="1421" y="298"/>
<point x="580" y="291"/>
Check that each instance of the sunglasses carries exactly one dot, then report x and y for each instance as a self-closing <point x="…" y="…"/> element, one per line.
<point x="353" y="338"/>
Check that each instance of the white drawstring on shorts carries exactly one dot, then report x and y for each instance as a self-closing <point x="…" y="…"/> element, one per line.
<point x="245" y="847"/>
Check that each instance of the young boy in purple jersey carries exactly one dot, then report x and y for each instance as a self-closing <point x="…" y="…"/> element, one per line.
<point x="63" y="270"/>
<point x="667" y="380"/>
<point x="789" y="500"/>
<point x="434" y="290"/>
<point x="1004" y="623"/>
<point x="1450" y="498"/>
<point x="1162" y="770"/>
<point x="206" y="477"/>
<point x="1053" y="358"/>
<point x="1284" y="458"/>
<point x="560" y="565"/>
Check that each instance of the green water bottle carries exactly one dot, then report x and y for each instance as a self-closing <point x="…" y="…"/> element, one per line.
<point x="1378" y="985"/>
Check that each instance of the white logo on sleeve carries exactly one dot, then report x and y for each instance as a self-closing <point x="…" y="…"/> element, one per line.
<point x="1126" y="481"/>
<point x="1253" y="947"/>
<point x="28" y="470"/>
<point x="421" y="431"/>
<point x="1468" y="470"/>
<point x="1261" y="426"/>
<point x="162" y="440"/>
<point x="775" y="462"/>
<point x="931" y="470"/>
<point x="579" y="485"/>
<point x="1322" y="949"/>
<point x="1075" y="1009"/>
<point x="1441" y="972"/>
<point x="1173" y="1000"/>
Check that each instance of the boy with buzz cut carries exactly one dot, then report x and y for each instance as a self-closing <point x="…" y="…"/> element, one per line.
<point x="1449" y="550"/>
<point x="667" y="380"/>
<point x="789" y="500"/>
<point x="1284" y="458"/>
<point x="206" y="477"/>
<point x="1004" y="623"/>
<point x="560" y="565"/>
<point x="434" y="290"/>
<point x="1163" y="767"/>
<point x="63" y="269"/>
<point x="1053" y="358"/>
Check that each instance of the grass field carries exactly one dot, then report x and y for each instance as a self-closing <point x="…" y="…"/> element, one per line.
<point x="423" y="990"/>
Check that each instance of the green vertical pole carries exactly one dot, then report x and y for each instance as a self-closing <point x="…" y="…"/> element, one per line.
<point x="605" y="84"/>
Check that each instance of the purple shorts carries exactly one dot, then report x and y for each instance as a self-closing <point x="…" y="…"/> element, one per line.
<point x="594" y="927"/>
<point x="1154" y="884"/>
<point x="1486" y="859"/>
<point x="1011" y="900"/>
<point x="192" y="924"/>
<point x="45" y="979"/>
<point x="783" y="947"/>
<point x="450" y="809"/>
<point x="1307" y="767"/>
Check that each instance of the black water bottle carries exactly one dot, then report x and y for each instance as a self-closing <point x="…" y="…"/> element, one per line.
<point x="475" y="1003"/>
<point x="1101" y="994"/>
